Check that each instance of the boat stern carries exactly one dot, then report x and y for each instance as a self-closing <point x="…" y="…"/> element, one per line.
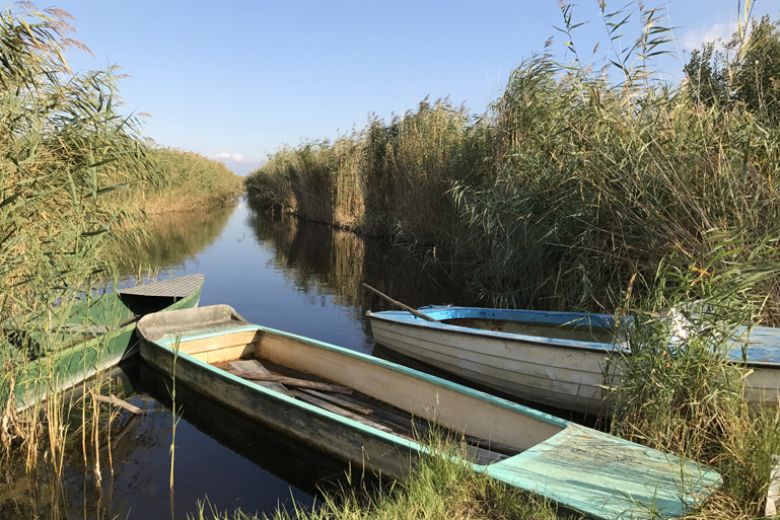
<point x="153" y="297"/>
<point x="607" y="477"/>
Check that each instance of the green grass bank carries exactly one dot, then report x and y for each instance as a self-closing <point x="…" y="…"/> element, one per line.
<point x="437" y="489"/>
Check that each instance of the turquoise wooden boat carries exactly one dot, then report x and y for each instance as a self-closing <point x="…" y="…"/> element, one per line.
<point x="567" y="360"/>
<point x="97" y="333"/>
<point x="366" y="411"/>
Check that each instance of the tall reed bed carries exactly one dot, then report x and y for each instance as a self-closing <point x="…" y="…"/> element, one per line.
<point x="387" y="178"/>
<point x="63" y="147"/>
<point x="190" y="190"/>
<point x="189" y="182"/>
<point x="66" y="154"/>
<point x="570" y="185"/>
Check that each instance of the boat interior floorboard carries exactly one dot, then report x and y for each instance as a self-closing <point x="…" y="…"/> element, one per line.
<point x="355" y="405"/>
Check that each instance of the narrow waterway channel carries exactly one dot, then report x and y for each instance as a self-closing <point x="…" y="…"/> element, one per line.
<point x="288" y="274"/>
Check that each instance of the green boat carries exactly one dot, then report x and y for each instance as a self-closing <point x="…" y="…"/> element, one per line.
<point x="99" y="332"/>
<point x="371" y="413"/>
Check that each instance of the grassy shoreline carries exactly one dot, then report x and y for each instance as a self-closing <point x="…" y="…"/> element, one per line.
<point x="193" y="183"/>
<point x="437" y="488"/>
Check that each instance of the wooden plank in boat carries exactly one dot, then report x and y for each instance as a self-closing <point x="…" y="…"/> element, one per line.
<point x="179" y="287"/>
<point x="339" y="410"/>
<point x="291" y="372"/>
<point x="254" y="367"/>
<point x="232" y="339"/>
<point x="292" y="381"/>
<point x="341" y="401"/>
<point x="225" y="354"/>
<point x="482" y="456"/>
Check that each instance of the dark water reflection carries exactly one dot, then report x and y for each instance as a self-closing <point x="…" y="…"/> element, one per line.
<point x="173" y="238"/>
<point x="320" y="259"/>
<point x="288" y="274"/>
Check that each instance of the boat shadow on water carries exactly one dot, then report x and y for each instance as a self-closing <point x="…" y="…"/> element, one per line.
<point x="135" y="483"/>
<point x="301" y="465"/>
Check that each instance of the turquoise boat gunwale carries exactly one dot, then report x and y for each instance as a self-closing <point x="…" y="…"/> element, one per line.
<point x="763" y="343"/>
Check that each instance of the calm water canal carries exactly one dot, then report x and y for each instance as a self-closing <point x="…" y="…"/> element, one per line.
<point x="292" y="275"/>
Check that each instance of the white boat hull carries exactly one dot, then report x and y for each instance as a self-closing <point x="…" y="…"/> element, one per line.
<point x="762" y="386"/>
<point x="560" y="377"/>
<point x="568" y="378"/>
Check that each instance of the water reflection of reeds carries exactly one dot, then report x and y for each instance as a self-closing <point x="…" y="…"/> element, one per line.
<point x="132" y="462"/>
<point x="172" y="239"/>
<point x="322" y="259"/>
<point x="100" y="444"/>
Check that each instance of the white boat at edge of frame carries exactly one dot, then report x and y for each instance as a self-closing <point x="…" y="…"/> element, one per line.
<point x="566" y="360"/>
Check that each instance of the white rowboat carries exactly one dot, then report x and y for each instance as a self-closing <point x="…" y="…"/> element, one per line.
<point x="562" y="359"/>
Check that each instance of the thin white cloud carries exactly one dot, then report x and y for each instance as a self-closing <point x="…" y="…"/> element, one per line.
<point x="228" y="156"/>
<point x="719" y="32"/>
<point x="237" y="162"/>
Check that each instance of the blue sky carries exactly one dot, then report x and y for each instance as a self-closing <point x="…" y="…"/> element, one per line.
<point x="236" y="80"/>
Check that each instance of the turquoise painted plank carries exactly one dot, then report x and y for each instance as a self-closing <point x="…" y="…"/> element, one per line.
<point x="606" y="476"/>
<point x="762" y="347"/>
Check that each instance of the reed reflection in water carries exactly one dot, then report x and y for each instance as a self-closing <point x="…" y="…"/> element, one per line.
<point x="220" y="454"/>
<point x="283" y="273"/>
<point x="173" y="238"/>
<point x="318" y="258"/>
